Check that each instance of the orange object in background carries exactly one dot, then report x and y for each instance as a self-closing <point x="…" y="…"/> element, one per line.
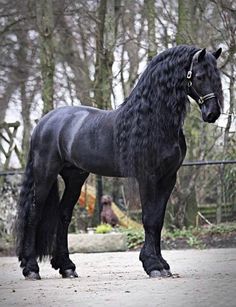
<point x="87" y="201"/>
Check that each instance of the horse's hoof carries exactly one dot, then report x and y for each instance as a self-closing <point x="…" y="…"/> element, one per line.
<point x="69" y="274"/>
<point x="32" y="276"/>
<point x="166" y="273"/>
<point x="155" y="274"/>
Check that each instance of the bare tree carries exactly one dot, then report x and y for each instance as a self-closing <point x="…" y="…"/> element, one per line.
<point x="45" y="23"/>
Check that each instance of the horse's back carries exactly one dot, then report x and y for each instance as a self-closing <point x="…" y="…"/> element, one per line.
<point x="69" y="119"/>
<point x="82" y="136"/>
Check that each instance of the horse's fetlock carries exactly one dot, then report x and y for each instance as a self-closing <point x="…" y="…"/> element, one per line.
<point x="54" y="263"/>
<point x="150" y="261"/>
<point x="29" y="266"/>
<point x="164" y="263"/>
<point x="63" y="263"/>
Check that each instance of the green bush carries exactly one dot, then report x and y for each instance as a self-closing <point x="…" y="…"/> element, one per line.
<point x="103" y="228"/>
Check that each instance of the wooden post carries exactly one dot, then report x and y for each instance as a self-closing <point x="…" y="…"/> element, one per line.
<point x="8" y="135"/>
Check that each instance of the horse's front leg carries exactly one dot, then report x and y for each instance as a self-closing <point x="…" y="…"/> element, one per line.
<point x="154" y="195"/>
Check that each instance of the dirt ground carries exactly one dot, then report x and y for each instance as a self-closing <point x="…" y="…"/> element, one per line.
<point x="207" y="278"/>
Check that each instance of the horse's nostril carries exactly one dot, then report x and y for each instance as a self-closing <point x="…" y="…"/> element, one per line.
<point x="210" y="117"/>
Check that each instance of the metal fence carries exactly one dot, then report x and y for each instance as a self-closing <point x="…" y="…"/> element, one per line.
<point x="214" y="186"/>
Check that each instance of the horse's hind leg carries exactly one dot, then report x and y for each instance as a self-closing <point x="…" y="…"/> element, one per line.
<point x="74" y="179"/>
<point x="30" y="250"/>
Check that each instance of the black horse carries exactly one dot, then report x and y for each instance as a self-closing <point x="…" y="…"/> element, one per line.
<point x="143" y="139"/>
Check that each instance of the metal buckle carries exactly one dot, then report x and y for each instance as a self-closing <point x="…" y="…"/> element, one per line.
<point x="189" y="74"/>
<point x="200" y="100"/>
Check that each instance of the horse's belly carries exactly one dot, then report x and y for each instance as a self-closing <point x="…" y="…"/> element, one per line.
<point x="98" y="160"/>
<point x="97" y="165"/>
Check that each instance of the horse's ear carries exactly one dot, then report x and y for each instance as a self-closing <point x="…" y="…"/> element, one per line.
<point x="217" y="53"/>
<point x="201" y="55"/>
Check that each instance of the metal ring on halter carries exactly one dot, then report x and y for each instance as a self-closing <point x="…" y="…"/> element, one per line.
<point x="200" y="100"/>
<point x="189" y="74"/>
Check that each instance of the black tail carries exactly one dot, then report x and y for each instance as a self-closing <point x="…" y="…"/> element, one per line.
<point x="23" y="207"/>
<point x="46" y="217"/>
<point x="47" y="227"/>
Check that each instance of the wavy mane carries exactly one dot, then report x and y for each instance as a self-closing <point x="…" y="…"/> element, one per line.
<point x="155" y="110"/>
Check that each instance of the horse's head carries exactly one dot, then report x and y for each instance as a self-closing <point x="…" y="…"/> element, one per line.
<point x="204" y="84"/>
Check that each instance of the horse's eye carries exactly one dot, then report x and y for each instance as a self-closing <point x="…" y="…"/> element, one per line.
<point x="199" y="77"/>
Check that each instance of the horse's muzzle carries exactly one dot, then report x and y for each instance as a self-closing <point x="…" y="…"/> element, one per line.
<point x="210" y="117"/>
<point x="210" y="113"/>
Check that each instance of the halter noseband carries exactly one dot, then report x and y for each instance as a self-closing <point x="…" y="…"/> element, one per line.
<point x="201" y="99"/>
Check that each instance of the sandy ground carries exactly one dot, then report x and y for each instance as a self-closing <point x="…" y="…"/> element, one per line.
<point x="207" y="278"/>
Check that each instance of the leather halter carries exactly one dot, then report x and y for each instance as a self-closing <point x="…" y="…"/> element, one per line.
<point x="201" y="99"/>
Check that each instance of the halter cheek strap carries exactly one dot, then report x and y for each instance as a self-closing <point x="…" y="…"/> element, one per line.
<point x="200" y="99"/>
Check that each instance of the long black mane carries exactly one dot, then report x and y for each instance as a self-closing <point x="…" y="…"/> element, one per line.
<point x="154" y="112"/>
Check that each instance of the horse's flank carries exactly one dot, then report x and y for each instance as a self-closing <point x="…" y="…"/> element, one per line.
<point x="73" y="132"/>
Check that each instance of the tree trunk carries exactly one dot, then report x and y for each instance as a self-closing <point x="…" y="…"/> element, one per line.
<point x="106" y="32"/>
<point x="102" y="91"/>
<point x="222" y="170"/>
<point x="96" y="220"/>
<point x="186" y="203"/>
<point x="131" y="39"/>
<point x="26" y="122"/>
<point x="45" y="22"/>
<point x="79" y="65"/>
<point x="23" y="75"/>
<point x="107" y="18"/>
<point x="151" y="16"/>
<point x="186" y="26"/>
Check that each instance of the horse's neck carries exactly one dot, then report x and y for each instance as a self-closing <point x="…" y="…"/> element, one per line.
<point x="168" y="119"/>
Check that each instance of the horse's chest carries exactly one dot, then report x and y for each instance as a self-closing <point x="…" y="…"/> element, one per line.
<point x="172" y="156"/>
